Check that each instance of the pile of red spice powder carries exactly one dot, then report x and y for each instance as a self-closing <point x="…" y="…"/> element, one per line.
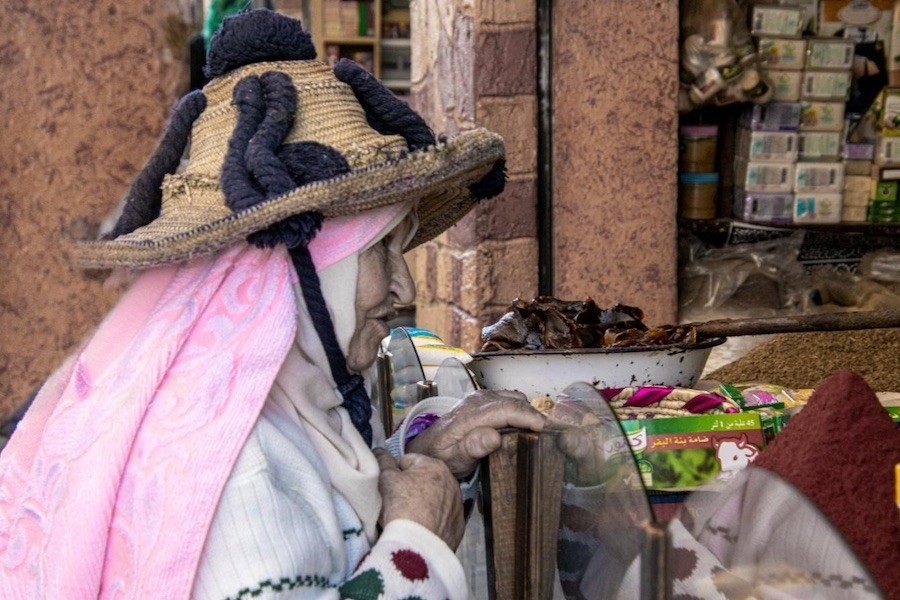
<point x="840" y="451"/>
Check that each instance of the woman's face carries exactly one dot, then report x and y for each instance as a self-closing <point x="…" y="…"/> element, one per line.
<point x="384" y="280"/>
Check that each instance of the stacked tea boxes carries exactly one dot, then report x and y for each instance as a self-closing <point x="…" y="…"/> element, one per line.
<point x="788" y="158"/>
<point x="885" y="179"/>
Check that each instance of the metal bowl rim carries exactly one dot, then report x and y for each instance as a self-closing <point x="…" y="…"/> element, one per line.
<point x="707" y="343"/>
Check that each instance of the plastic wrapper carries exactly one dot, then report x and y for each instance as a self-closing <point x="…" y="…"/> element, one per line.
<point x="841" y="290"/>
<point x="882" y="265"/>
<point x="759" y="279"/>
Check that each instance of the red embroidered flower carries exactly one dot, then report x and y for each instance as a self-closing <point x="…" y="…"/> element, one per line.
<point x="410" y="564"/>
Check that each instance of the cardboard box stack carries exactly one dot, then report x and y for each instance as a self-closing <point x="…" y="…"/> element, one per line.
<point x="800" y="167"/>
<point x="885" y="176"/>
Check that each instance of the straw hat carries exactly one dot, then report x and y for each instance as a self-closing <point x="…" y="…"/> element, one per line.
<point x="195" y="218"/>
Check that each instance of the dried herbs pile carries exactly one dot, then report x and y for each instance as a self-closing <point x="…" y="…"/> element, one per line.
<point x="547" y="323"/>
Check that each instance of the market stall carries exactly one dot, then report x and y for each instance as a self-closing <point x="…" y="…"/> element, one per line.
<point x="642" y="466"/>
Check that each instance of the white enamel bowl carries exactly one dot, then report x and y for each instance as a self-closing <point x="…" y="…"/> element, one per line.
<point x="540" y="372"/>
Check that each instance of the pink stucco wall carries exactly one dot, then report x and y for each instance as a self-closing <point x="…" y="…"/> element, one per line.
<point x="85" y="92"/>
<point x="614" y="152"/>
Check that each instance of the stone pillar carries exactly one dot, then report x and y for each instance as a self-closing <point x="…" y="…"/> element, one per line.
<point x="474" y="64"/>
<point x="85" y="93"/>
<point x="615" y="69"/>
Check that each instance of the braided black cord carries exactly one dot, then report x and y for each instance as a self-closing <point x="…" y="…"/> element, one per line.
<point x="265" y="167"/>
<point x="240" y="193"/>
<point x="351" y="387"/>
<point x="385" y="113"/>
<point x="144" y="197"/>
<point x="269" y="171"/>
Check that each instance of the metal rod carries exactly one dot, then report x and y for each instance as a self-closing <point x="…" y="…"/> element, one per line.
<point x="842" y="321"/>
<point x="545" y="147"/>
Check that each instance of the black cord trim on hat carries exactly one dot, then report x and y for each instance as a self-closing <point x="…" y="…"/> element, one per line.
<point x="351" y="387"/>
<point x="144" y="197"/>
<point x="385" y="113"/>
<point x="280" y="98"/>
<point x="278" y="169"/>
<point x="240" y="193"/>
<point x="491" y="184"/>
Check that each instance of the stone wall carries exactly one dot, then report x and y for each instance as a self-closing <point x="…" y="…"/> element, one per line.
<point x="614" y="79"/>
<point x="474" y="64"/>
<point x="86" y="90"/>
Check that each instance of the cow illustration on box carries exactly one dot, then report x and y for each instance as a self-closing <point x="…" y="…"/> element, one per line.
<point x="733" y="455"/>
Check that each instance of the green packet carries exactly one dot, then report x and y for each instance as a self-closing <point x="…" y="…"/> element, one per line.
<point x="684" y="453"/>
<point x="894" y="412"/>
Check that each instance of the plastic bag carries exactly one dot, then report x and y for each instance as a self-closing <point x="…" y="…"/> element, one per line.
<point x="881" y="265"/>
<point x="759" y="279"/>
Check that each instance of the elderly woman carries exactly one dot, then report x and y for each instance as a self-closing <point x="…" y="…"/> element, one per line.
<point x="213" y="437"/>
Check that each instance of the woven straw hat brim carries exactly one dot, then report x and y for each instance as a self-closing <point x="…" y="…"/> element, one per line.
<point x="437" y="178"/>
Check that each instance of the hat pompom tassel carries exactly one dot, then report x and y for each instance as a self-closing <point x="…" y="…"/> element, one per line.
<point x="491" y="184"/>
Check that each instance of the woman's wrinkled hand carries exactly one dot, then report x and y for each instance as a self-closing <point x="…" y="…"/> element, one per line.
<point x="421" y="489"/>
<point x="468" y="432"/>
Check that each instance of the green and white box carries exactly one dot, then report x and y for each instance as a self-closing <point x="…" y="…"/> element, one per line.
<point x="684" y="453"/>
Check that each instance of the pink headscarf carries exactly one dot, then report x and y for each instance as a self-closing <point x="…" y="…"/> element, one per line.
<point x="111" y="480"/>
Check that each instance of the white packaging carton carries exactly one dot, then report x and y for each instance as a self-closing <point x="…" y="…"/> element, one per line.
<point x="818" y="145"/>
<point x="778" y="146"/>
<point x="825" y="85"/>
<point x="786" y="85"/>
<point x="821" y="116"/>
<point x="756" y="176"/>
<point x="782" y="53"/>
<point x="829" y="53"/>
<point x="781" y="21"/>
<point x="819" y="177"/>
<point x="822" y="207"/>
<point x="758" y="207"/>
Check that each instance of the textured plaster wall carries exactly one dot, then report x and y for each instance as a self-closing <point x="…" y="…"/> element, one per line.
<point x="614" y="152"/>
<point x="86" y="90"/>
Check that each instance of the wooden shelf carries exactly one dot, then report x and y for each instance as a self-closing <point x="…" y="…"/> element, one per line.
<point x="723" y="226"/>
<point x="396" y="84"/>
<point x="394" y="47"/>
<point x="350" y="41"/>
<point x="402" y="43"/>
